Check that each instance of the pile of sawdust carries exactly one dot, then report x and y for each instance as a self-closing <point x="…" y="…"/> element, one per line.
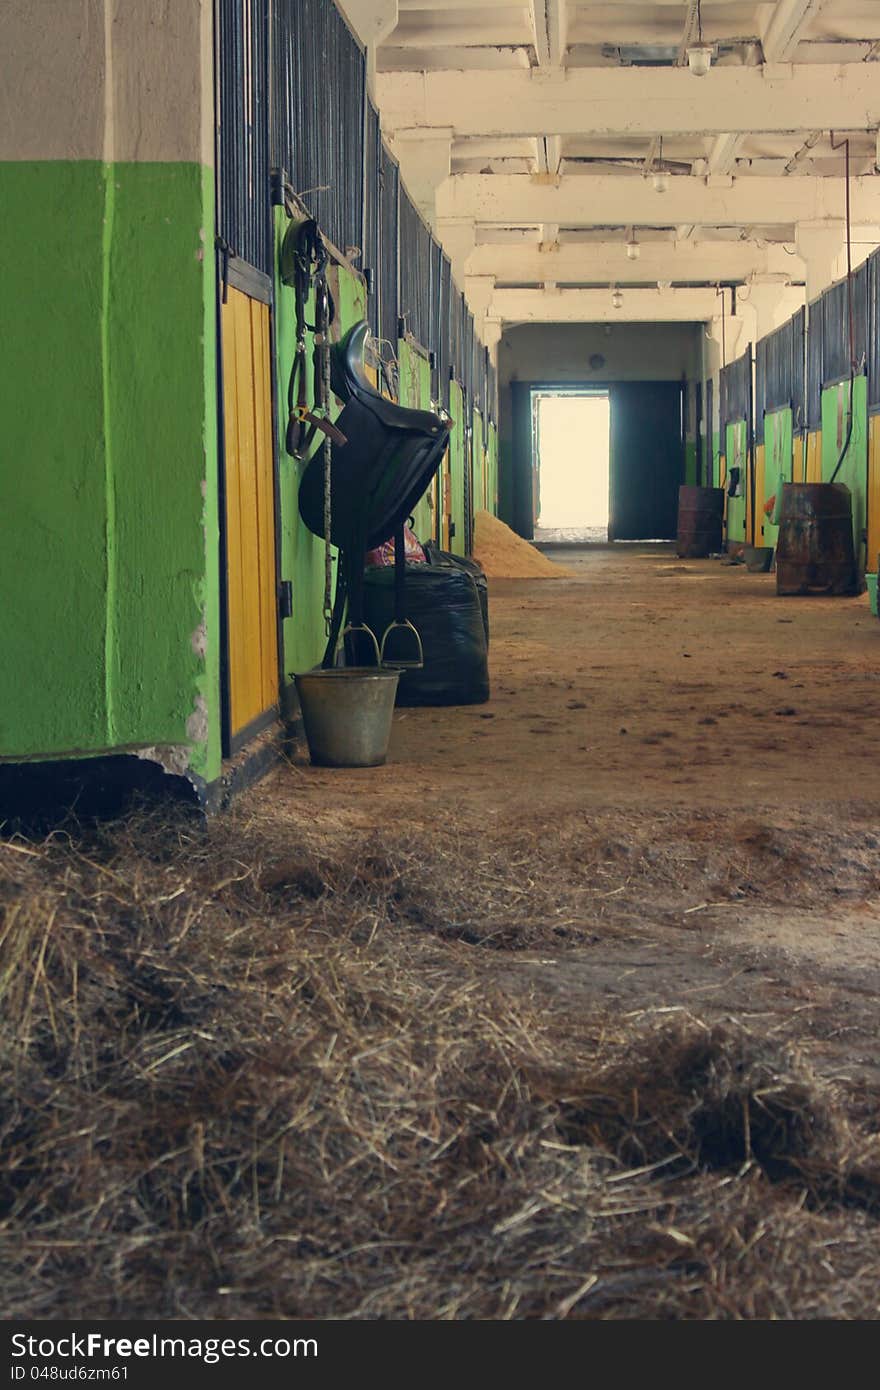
<point x="505" y="555"/>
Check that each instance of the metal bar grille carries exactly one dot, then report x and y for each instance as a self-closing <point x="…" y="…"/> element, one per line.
<point x="389" y="181"/>
<point x="456" y="333"/>
<point x="436" y="330"/>
<point x="798" y="365"/>
<point x="415" y="272"/>
<point x="372" y="197"/>
<point x="761" y="354"/>
<point x="317" y="128"/>
<point x="242" y="79"/>
<point x="444" y="350"/>
<point x="860" y="316"/>
<point x="835" y="333"/>
<point x="468" y="354"/>
<point x="736" y="382"/>
<point x="813" y="385"/>
<point x="779" y="367"/>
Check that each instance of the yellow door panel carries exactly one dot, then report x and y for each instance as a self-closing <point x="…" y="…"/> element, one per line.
<point x="814" y="457"/>
<point x="252" y="639"/>
<point x="798" y="467"/>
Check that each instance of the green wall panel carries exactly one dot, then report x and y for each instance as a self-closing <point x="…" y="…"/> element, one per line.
<point x="161" y="388"/>
<point x="479" y="465"/>
<point x="854" y="469"/>
<point x="456" y="467"/>
<point x="302" y="554"/>
<point x="53" y="491"/>
<point x="414" y="376"/>
<point x="109" y="507"/>
<point x="492" y="465"/>
<point x="737" y="457"/>
<point x="778" y="460"/>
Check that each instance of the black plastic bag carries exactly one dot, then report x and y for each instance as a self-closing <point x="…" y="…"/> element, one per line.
<point x="443" y="605"/>
<point x="436" y="556"/>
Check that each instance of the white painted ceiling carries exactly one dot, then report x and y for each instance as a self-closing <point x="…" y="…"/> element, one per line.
<point x="529" y="135"/>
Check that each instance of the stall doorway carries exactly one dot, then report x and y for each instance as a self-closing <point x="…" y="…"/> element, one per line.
<point x="571" y="452"/>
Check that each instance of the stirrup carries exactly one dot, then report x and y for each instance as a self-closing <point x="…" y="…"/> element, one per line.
<point x="403" y="663"/>
<point x="353" y="628"/>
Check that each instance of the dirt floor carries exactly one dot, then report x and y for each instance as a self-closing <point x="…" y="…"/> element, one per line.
<point x="714" y="751"/>
<point x="569" y="1011"/>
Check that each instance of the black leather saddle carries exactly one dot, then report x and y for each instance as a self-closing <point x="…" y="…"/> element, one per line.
<point x="389" y="457"/>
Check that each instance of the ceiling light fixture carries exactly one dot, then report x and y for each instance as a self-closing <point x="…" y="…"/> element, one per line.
<point x="660" y="177"/>
<point x="616" y="299"/>
<point x="699" y="55"/>
<point x="633" y="250"/>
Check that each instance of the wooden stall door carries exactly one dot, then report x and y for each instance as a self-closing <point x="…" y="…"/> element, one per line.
<point x="252" y="631"/>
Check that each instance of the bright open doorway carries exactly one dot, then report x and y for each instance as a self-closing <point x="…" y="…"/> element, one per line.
<point x="571" y="450"/>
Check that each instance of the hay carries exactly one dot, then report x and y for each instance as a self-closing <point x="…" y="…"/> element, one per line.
<point x="505" y="555"/>
<point x="246" y="1079"/>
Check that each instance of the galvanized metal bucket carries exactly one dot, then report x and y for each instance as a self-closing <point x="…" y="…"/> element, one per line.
<point x="347" y="712"/>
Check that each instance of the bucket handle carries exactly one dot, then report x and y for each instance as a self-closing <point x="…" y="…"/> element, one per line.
<point x="363" y="627"/>
<point x="403" y="663"/>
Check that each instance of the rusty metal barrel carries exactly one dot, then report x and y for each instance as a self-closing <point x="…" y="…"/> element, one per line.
<point x="815" y="551"/>
<point x="700" y="521"/>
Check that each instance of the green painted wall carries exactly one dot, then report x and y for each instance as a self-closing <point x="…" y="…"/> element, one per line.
<point x="778" y="461"/>
<point x="302" y="554"/>
<point x="479" y="463"/>
<point x="492" y="464"/>
<point x="737" y="457"/>
<point x="109" y="496"/>
<point x="414" y="375"/>
<point x="456" y="467"/>
<point x="854" y="469"/>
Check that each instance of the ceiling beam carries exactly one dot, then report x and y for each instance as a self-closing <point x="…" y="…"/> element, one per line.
<point x="607" y="260"/>
<point x="548" y="154"/>
<point x="549" y="25"/>
<point x="610" y="200"/>
<point x="633" y="101"/>
<point x="722" y="155"/>
<point x="594" y="306"/>
<point x="786" y="26"/>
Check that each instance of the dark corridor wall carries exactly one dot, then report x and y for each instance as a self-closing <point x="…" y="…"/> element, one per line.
<point x="647" y="460"/>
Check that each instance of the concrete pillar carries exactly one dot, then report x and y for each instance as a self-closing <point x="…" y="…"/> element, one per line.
<point x="822" y="247"/>
<point x="458" y="236"/>
<point x="729" y="337"/>
<point x="372" y="21"/>
<point x="491" y="331"/>
<point x="425" y="162"/>
<point x="765" y="304"/>
<point x="478" y="291"/>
